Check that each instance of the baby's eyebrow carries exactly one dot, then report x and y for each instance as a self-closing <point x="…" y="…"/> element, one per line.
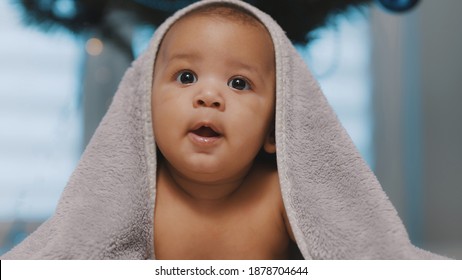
<point x="245" y="66"/>
<point x="253" y="70"/>
<point x="183" y="56"/>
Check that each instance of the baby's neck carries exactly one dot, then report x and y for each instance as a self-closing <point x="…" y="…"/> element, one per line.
<point x="205" y="193"/>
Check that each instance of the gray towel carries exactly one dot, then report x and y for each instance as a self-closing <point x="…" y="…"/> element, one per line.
<point x="336" y="207"/>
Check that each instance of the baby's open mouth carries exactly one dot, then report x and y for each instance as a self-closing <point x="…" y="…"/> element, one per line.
<point x="205" y="131"/>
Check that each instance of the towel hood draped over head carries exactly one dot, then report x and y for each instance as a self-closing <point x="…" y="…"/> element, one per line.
<point x="336" y="207"/>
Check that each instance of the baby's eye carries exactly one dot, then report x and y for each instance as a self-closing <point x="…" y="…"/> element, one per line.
<point x="186" y="77"/>
<point x="239" y="84"/>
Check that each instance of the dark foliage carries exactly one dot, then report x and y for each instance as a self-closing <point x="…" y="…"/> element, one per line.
<point x="298" y="17"/>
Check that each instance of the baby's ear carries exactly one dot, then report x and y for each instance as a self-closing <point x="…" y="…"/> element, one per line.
<point x="270" y="142"/>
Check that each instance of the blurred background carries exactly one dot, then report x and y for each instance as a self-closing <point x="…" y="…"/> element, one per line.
<point x="390" y="69"/>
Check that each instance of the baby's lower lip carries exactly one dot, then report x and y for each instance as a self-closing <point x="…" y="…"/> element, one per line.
<point x="204" y="140"/>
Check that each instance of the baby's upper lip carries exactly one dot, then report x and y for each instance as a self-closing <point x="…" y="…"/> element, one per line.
<point x="206" y="124"/>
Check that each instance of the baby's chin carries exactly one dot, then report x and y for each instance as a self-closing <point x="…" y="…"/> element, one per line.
<point x="210" y="177"/>
<point x="210" y="172"/>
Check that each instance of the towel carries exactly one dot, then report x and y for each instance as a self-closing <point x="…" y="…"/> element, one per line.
<point x="335" y="205"/>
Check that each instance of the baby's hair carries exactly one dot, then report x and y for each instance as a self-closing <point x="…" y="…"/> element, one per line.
<point x="227" y="11"/>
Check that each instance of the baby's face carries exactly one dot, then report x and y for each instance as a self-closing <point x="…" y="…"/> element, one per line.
<point x="213" y="97"/>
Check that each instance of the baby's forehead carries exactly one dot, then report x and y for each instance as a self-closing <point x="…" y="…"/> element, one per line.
<point x="222" y="13"/>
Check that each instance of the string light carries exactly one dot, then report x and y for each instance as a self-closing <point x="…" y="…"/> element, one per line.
<point x="94" y="46"/>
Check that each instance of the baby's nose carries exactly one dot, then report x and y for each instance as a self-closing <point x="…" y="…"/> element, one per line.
<point x="203" y="103"/>
<point x="209" y="99"/>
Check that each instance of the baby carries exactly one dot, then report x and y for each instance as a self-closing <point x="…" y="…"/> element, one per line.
<point x="183" y="164"/>
<point x="213" y="105"/>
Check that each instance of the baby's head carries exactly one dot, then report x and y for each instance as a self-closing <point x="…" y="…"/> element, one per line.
<point x="213" y="93"/>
